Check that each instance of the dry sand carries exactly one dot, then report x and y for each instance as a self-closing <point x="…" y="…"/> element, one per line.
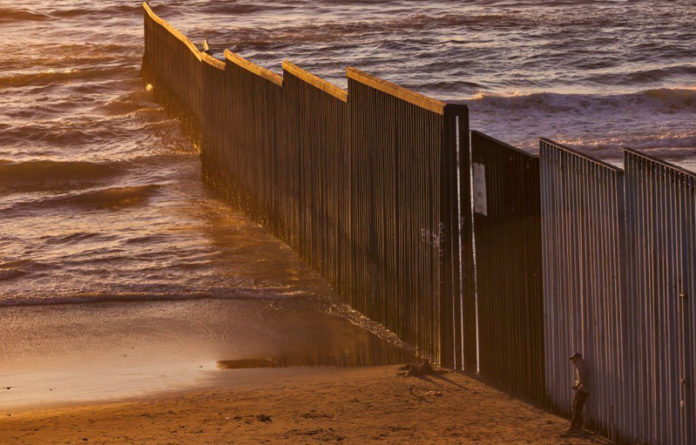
<point x="303" y="406"/>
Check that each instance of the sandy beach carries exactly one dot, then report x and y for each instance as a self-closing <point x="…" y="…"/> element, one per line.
<point x="350" y="203"/>
<point x="301" y="406"/>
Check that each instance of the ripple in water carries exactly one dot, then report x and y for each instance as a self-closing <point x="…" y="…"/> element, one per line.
<point x="100" y="190"/>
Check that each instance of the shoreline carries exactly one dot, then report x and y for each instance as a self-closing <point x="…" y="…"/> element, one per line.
<point x="52" y="355"/>
<point x="302" y="405"/>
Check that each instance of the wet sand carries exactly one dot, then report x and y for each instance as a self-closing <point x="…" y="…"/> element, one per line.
<point x="210" y="371"/>
<point x="298" y="406"/>
<point x="52" y="355"/>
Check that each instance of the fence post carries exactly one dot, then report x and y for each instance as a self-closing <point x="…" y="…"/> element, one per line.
<point x="456" y="285"/>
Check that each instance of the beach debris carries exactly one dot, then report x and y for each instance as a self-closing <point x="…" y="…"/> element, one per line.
<point x="8" y="387"/>
<point x="425" y="368"/>
<point x="316" y="415"/>
<point x="263" y="418"/>
<point x="413" y="393"/>
<point x="434" y="393"/>
<point x="321" y="434"/>
<point x="249" y="363"/>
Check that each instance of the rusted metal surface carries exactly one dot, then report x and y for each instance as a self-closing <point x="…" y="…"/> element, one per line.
<point x="396" y="91"/>
<point x="507" y="227"/>
<point x="585" y="310"/>
<point x="372" y="188"/>
<point x="314" y="188"/>
<point x="363" y="183"/>
<point x="404" y="211"/>
<point x="661" y="283"/>
<point x="174" y="60"/>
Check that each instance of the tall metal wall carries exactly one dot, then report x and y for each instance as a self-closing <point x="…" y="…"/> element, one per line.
<point x="316" y="178"/>
<point x="371" y="187"/>
<point x="661" y="284"/>
<point x="174" y="61"/>
<point x="507" y="228"/>
<point x="585" y="310"/>
<point x="362" y="184"/>
<point x="405" y="263"/>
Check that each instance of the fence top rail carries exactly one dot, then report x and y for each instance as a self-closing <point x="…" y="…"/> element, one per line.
<point x="395" y="90"/>
<point x="508" y="146"/>
<point x="661" y="162"/>
<point x="252" y="67"/>
<point x="213" y="61"/>
<point x="580" y="155"/>
<point x="173" y="31"/>
<point x="315" y="81"/>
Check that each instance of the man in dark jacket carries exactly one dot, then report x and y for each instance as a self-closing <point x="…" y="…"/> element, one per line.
<point x="582" y="391"/>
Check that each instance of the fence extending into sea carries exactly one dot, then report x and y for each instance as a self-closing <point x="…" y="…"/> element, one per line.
<point x="486" y="258"/>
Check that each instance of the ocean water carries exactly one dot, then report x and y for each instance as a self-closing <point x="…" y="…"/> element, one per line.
<point x="100" y="191"/>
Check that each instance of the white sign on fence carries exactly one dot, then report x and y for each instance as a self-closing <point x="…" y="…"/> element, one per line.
<point x="480" y="201"/>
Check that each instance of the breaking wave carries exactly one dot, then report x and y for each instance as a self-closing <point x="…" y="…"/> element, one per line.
<point x="651" y="119"/>
<point x="13" y="15"/>
<point x="47" y="175"/>
<point x="111" y="198"/>
<point x="62" y="75"/>
<point x="664" y="100"/>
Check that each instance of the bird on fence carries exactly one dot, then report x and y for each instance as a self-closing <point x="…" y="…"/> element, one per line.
<point x="206" y="47"/>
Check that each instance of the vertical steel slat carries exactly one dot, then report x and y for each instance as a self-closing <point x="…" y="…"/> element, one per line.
<point x="581" y="222"/>
<point x="661" y="223"/>
<point x="508" y="272"/>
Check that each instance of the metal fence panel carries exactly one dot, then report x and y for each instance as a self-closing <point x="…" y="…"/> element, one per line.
<point x="404" y="207"/>
<point x="372" y="189"/>
<point x="363" y="185"/>
<point x="584" y="308"/>
<point x="172" y="63"/>
<point x="252" y="106"/>
<point x="314" y="182"/>
<point x="507" y="227"/>
<point x="661" y="222"/>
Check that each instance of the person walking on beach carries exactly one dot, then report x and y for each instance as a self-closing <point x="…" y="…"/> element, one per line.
<point x="582" y="392"/>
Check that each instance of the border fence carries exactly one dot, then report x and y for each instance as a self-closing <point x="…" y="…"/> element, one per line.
<point x="661" y="285"/>
<point x="585" y="312"/>
<point x="363" y="184"/>
<point x="507" y="230"/>
<point x="486" y="258"/>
